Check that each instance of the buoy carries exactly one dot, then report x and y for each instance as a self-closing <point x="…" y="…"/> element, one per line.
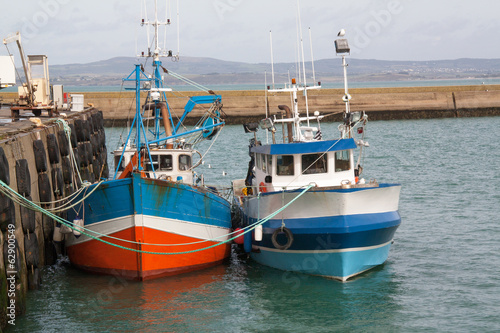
<point x="240" y="239"/>
<point x="262" y="187"/>
<point x="57" y="236"/>
<point x="258" y="233"/>
<point x="65" y="229"/>
<point x="78" y="224"/>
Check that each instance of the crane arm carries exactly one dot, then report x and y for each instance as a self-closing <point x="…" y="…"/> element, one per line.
<point x="17" y="38"/>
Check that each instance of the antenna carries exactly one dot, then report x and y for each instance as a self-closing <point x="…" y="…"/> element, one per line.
<point x="272" y="58"/>
<point x="312" y="56"/>
<point x="178" y="32"/>
<point x="298" y="71"/>
<point x="167" y="10"/>
<point x="303" y="61"/>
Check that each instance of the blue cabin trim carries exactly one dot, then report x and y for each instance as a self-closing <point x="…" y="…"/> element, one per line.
<point x="305" y="147"/>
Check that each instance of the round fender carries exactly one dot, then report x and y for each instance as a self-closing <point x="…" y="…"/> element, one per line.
<point x="89" y="152"/>
<point x="67" y="170"/>
<point x="288" y="235"/>
<point x="63" y="143"/>
<point x="44" y="190"/>
<point x="82" y="155"/>
<point x="91" y="121"/>
<point x="7" y="212"/>
<point x="34" y="278"/>
<point x="262" y="187"/>
<point x="101" y="119"/>
<point x="47" y="226"/>
<point x="57" y="182"/>
<point x="94" y="141"/>
<point x="4" y="167"/>
<point x="40" y="157"/>
<point x="23" y="177"/>
<point x="53" y="149"/>
<point x="79" y="129"/>
<point x="240" y="240"/>
<point x="74" y="140"/>
<point x="96" y="168"/>
<point x="31" y="251"/>
<point x="27" y="218"/>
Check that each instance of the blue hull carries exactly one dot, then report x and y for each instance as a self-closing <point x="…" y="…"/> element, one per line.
<point x="339" y="246"/>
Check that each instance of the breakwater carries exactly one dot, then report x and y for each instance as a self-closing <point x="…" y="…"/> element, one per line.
<point x="39" y="160"/>
<point x="379" y="103"/>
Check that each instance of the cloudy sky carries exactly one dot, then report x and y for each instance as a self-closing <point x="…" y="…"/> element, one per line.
<point x="237" y="30"/>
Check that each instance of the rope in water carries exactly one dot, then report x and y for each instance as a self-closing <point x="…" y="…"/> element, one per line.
<point x="4" y="188"/>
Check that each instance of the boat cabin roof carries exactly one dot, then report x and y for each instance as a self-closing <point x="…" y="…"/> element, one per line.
<point x="305" y="147"/>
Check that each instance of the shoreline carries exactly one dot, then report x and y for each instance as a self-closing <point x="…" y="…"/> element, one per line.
<point x="392" y="103"/>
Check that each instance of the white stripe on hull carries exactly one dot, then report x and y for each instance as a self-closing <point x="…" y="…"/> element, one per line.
<point x="190" y="229"/>
<point x="319" y="204"/>
<point x="354" y="249"/>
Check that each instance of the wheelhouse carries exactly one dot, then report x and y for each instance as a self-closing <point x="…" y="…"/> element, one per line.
<point x="170" y="164"/>
<point x="325" y="163"/>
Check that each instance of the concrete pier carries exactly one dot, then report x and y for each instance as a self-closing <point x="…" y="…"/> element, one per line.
<point x="34" y="161"/>
<point x="379" y="103"/>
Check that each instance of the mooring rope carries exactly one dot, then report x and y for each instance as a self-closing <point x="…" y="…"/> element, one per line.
<point x="7" y="190"/>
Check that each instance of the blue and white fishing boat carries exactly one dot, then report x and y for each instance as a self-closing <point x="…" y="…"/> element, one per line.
<point x="338" y="225"/>
<point x="157" y="216"/>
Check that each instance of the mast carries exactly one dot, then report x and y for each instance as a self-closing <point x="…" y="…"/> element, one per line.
<point x="342" y="48"/>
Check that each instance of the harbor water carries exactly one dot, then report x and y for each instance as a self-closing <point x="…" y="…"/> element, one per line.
<point x="442" y="274"/>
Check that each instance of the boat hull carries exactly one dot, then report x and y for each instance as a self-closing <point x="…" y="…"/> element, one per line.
<point x="136" y="213"/>
<point x="335" y="233"/>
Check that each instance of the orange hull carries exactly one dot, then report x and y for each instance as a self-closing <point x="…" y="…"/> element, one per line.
<point x="98" y="257"/>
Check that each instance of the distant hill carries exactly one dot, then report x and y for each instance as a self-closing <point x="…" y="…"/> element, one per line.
<point x="214" y="71"/>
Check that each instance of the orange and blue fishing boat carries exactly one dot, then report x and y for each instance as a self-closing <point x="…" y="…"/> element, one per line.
<point x="156" y="217"/>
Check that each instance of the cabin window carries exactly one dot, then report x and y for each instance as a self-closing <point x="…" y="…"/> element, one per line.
<point x="342" y="161"/>
<point x="269" y="164"/>
<point x="148" y="166"/>
<point x="284" y="165"/>
<point x="314" y="163"/>
<point x="263" y="162"/>
<point x="258" y="161"/>
<point x="117" y="160"/>
<point x="184" y="162"/>
<point x="166" y="162"/>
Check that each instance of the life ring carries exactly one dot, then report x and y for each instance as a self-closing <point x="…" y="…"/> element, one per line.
<point x="262" y="187"/>
<point x="289" y="237"/>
